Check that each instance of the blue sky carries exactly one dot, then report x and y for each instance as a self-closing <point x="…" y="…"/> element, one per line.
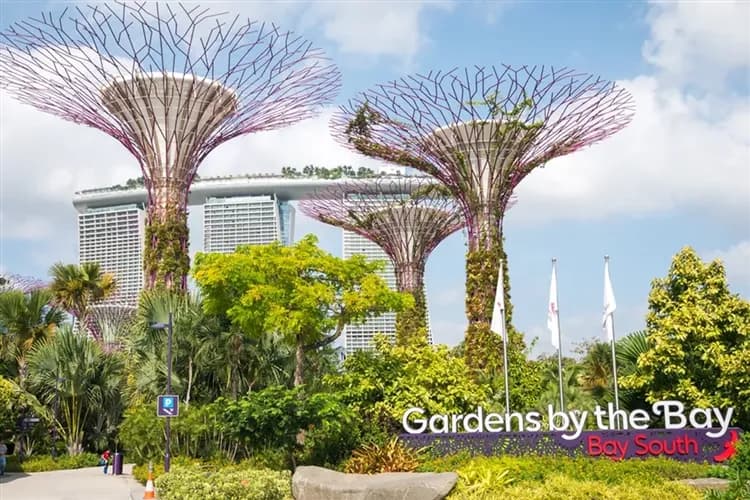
<point x="678" y="175"/>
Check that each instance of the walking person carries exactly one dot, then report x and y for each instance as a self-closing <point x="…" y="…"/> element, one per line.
<point x="3" y="451"/>
<point x="104" y="460"/>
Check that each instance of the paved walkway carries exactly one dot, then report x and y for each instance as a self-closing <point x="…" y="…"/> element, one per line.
<point x="78" y="484"/>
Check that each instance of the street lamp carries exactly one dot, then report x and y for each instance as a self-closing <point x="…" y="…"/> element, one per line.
<point x="168" y="326"/>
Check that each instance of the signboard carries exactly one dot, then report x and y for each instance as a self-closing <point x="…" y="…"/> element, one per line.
<point x="167" y="405"/>
<point x="695" y="435"/>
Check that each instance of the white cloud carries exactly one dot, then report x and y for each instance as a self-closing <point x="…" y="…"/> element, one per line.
<point x="699" y="41"/>
<point x="375" y="28"/>
<point x="736" y="262"/>
<point x="670" y="157"/>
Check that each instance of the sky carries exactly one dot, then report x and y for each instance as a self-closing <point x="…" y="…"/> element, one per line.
<point x="678" y="175"/>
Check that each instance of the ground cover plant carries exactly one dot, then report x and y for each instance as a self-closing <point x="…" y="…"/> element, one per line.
<point x="236" y="482"/>
<point x="542" y="477"/>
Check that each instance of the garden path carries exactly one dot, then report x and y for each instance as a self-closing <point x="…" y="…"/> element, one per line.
<point x="78" y="484"/>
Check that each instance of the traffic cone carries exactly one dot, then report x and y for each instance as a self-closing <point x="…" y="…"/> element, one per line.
<point x="150" y="492"/>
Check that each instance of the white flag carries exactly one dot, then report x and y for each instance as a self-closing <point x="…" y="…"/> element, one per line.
<point x="609" y="305"/>
<point x="498" y="311"/>
<point x="552" y="310"/>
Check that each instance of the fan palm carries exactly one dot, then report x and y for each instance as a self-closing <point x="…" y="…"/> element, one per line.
<point x="85" y="378"/>
<point x="76" y="288"/>
<point x="25" y="320"/>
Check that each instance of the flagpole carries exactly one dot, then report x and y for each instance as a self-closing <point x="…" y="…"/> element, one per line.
<point x="611" y="320"/>
<point x="559" y="340"/>
<point x="505" y="342"/>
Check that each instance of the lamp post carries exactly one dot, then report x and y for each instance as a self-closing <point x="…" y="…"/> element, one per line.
<point x="168" y="326"/>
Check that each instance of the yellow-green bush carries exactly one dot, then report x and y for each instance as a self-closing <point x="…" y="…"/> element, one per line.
<point x="233" y="482"/>
<point x="391" y="457"/>
<point x="45" y="463"/>
<point x="559" y="486"/>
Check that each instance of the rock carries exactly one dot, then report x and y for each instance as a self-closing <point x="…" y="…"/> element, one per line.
<point x="707" y="483"/>
<point x="317" y="483"/>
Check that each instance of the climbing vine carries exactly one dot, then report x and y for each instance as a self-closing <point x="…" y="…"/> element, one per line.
<point x="165" y="255"/>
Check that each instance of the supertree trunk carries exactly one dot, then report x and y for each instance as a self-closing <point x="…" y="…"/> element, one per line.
<point x="411" y="324"/>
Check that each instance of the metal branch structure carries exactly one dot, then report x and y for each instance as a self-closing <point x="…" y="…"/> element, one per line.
<point x="25" y="284"/>
<point x="108" y="323"/>
<point x="171" y="83"/>
<point x="480" y="131"/>
<point x="407" y="217"/>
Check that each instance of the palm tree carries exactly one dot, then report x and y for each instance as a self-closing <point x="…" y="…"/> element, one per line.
<point x="597" y="371"/>
<point x="76" y="288"/>
<point x="87" y="381"/>
<point x="574" y="394"/>
<point x="627" y="350"/>
<point x="25" y="321"/>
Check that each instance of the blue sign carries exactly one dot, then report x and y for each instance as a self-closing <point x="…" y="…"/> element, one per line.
<point x="167" y="406"/>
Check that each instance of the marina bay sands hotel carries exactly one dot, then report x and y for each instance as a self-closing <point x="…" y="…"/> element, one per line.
<point x="237" y="210"/>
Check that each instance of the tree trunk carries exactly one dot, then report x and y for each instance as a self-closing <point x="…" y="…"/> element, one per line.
<point x="165" y="254"/>
<point x="299" y="362"/>
<point x="190" y="380"/>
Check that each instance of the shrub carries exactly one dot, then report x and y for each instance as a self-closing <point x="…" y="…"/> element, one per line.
<point x="47" y="463"/>
<point x="476" y="480"/>
<point x="234" y="482"/>
<point x="539" y="468"/>
<point x="383" y="384"/>
<point x="391" y="457"/>
<point x="737" y="471"/>
<point x="561" y="486"/>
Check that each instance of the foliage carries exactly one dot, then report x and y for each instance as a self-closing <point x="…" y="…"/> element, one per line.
<point x="411" y="323"/>
<point x="477" y="480"/>
<point x="235" y="482"/>
<point x="390" y="457"/>
<point x="198" y="432"/>
<point x="560" y="486"/>
<point x="25" y="321"/>
<point x="166" y="261"/>
<point x="576" y="397"/>
<point x="76" y="288"/>
<point x="381" y="385"/>
<point x="738" y="472"/>
<point x="535" y="468"/>
<point x="298" y="291"/>
<point x="46" y="463"/>
<point x="552" y="477"/>
<point x="272" y="419"/>
<point x="140" y="470"/>
<point x="84" y="380"/>
<point x="698" y="336"/>
<point x="328" y="173"/>
<point x="482" y="266"/>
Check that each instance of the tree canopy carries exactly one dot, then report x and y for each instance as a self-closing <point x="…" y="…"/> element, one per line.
<point x="300" y="292"/>
<point x="698" y="337"/>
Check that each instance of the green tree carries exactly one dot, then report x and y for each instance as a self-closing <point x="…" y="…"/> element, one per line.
<point x="300" y="292"/>
<point x="25" y="320"/>
<point x="698" y="336"/>
<point x="87" y="381"/>
<point x="381" y="385"/>
<point x="75" y="288"/>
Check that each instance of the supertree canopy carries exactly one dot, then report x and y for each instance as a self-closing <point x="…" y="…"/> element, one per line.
<point x="407" y="217"/>
<point x="25" y="284"/>
<point x="480" y="131"/>
<point x="170" y="83"/>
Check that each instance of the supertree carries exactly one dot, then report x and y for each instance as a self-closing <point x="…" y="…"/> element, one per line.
<point x="24" y="284"/>
<point x="480" y="131"/>
<point x="171" y="83"/>
<point x="407" y="217"/>
<point x="109" y="322"/>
